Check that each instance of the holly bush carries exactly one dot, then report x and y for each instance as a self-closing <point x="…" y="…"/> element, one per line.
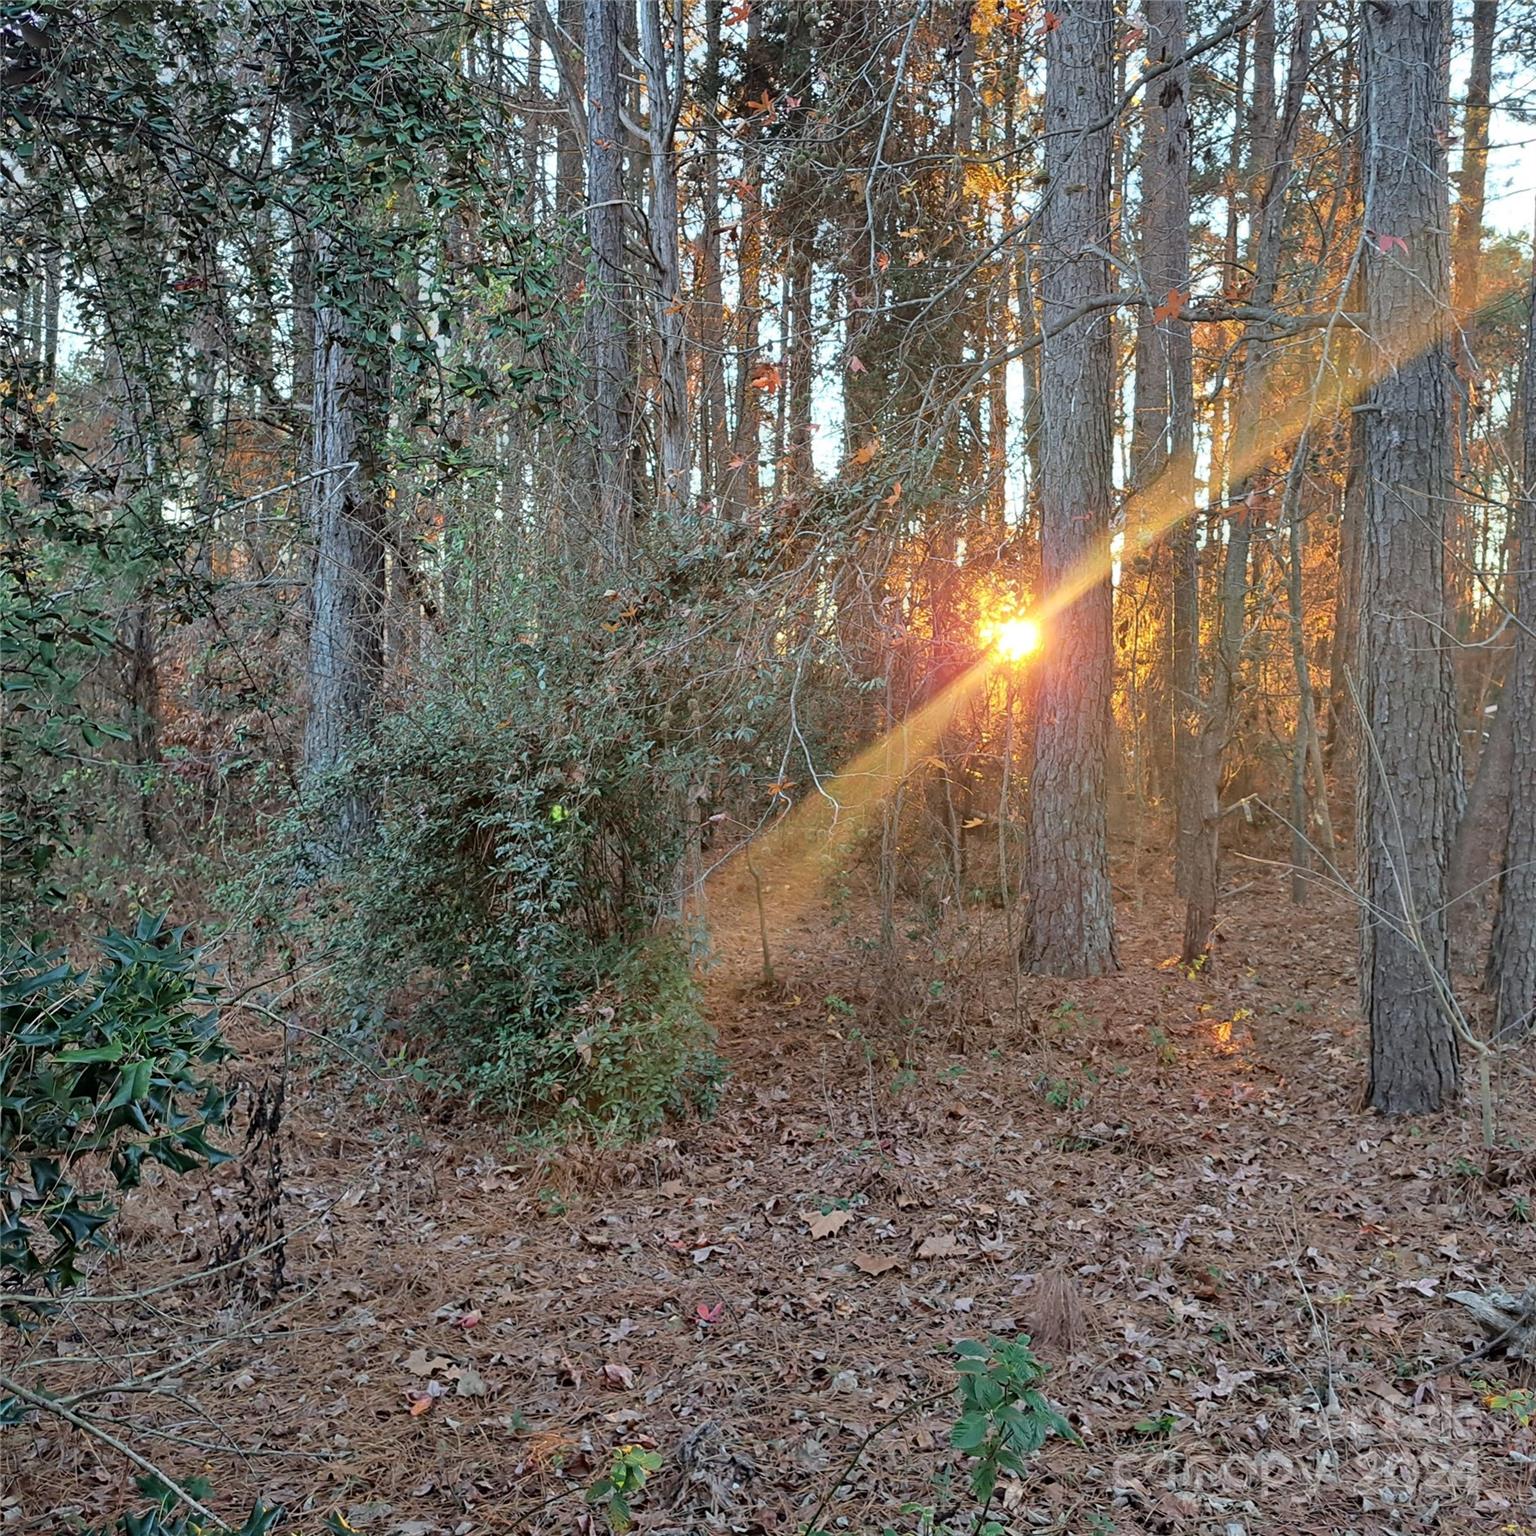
<point x="100" y="1072"/>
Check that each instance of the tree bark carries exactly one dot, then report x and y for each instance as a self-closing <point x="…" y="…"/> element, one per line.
<point x="1409" y="757"/>
<point x="1273" y="153"/>
<point x="1467" y="236"/>
<point x="1070" y="929"/>
<point x="1163" y="489"/>
<point x="347" y="513"/>
<point x="1514" y="939"/>
<point x="610" y="330"/>
<point x="666" y="260"/>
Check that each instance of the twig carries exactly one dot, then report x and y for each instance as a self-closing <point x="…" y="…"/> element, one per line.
<point x="87" y="1426"/>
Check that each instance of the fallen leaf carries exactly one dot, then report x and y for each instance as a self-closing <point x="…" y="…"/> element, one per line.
<point x="938" y="1245"/>
<point x="826" y="1223"/>
<point x="420" y="1363"/>
<point x="876" y="1263"/>
<point x="706" y="1314"/>
<point x="468" y="1381"/>
<point x="620" y="1375"/>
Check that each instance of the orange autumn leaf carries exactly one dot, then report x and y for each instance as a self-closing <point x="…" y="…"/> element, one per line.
<point x="763" y="104"/>
<point x="766" y="376"/>
<point x="865" y="452"/>
<point x="738" y="13"/>
<point x="1171" y="307"/>
<point x="1051" y="22"/>
<point x="883" y="260"/>
<point x="856" y="365"/>
<point x="894" y="497"/>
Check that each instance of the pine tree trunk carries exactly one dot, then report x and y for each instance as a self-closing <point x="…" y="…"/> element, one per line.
<point x="1273" y="147"/>
<point x="1070" y="930"/>
<point x="1409" y="758"/>
<point x="1163" y="435"/>
<point x="666" y="262"/>
<point x="1514" y="946"/>
<point x="347" y="511"/>
<point x="609" y="326"/>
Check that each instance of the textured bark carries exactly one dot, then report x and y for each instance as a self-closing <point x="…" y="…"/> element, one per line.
<point x="744" y="486"/>
<point x="714" y="436"/>
<point x="1467" y="237"/>
<point x="1162" y="453"/>
<point x="610" y="327"/>
<point x="1409" y="760"/>
<point x="347" y="512"/>
<point x="1514" y="947"/>
<point x="1273" y="153"/>
<point x="662" y="97"/>
<point x="1070" y="929"/>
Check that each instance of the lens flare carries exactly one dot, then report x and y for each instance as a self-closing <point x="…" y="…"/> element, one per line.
<point x="1012" y="639"/>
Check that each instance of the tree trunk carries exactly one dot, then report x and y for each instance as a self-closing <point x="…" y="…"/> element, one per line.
<point x="1273" y="153"/>
<point x="347" y="512"/>
<point x="666" y="261"/>
<point x="1514" y="938"/>
<point x="609" y="327"/>
<point x="1163" y="436"/>
<point x="1070" y="929"/>
<point x="1467" y="236"/>
<point x="1409" y="757"/>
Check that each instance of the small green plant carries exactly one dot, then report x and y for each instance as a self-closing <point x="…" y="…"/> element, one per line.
<point x="1167" y="1052"/>
<point x="1158" y="1427"/>
<point x="106" y="1065"/>
<point x="1004" y="1417"/>
<point x="615" y="1492"/>
<point x="1061" y="1093"/>
<point x="1066" y="1016"/>
<point x="169" y="1515"/>
<point x="1518" y="1402"/>
<point x="1520" y="1209"/>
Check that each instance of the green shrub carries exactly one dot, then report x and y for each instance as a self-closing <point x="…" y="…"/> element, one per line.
<point x="98" y="1068"/>
<point x="515" y="903"/>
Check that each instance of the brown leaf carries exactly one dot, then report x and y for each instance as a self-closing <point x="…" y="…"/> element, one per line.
<point x="825" y="1223"/>
<point x="876" y="1263"/>
<point x="939" y="1245"/>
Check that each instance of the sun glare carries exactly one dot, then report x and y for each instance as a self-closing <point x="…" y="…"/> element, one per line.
<point x="1012" y="639"/>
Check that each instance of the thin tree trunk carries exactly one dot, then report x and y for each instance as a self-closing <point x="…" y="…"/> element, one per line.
<point x="1467" y="235"/>
<point x="610" y="330"/>
<point x="1070" y="930"/>
<point x="1273" y="151"/>
<point x="666" y="260"/>
<point x="1514" y="943"/>
<point x="1409" y="758"/>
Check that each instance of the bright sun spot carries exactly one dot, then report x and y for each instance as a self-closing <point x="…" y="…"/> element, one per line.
<point x="1012" y="639"/>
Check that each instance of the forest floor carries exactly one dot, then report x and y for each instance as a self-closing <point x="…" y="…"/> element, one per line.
<point x="1239" y="1279"/>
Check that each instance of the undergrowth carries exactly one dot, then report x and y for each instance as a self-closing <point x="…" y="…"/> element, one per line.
<point x="515" y="909"/>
